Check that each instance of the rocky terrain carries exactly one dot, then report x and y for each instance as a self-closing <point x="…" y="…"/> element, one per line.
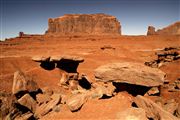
<point x="90" y="77"/>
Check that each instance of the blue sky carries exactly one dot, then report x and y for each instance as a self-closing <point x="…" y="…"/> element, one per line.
<point x="31" y="16"/>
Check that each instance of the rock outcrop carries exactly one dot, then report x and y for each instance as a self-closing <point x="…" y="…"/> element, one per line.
<point x="88" y="24"/>
<point x="168" y="54"/>
<point x="151" y="30"/>
<point x="131" y="73"/>
<point x="173" y="29"/>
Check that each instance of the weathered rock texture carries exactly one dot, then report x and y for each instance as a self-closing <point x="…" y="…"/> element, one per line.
<point x="173" y="29"/>
<point x="153" y="110"/>
<point x="131" y="73"/>
<point x="90" y="24"/>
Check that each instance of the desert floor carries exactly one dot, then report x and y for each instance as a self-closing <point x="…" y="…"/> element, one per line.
<point x="16" y="55"/>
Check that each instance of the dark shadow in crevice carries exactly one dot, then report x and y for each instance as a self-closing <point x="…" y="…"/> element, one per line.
<point x="22" y="108"/>
<point x="134" y="90"/>
<point x="134" y="105"/>
<point x="106" y="97"/>
<point x="77" y="109"/>
<point x="47" y="65"/>
<point x="84" y="83"/>
<point x="34" y="93"/>
<point x="68" y="65"/>
<point x="20" y="94"/>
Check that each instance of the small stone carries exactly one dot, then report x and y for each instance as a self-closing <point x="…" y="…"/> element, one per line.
<point x="75" y="102"/>
<point x="153" y="91"/>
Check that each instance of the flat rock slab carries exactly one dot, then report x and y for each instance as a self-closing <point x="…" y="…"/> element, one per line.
<point x="57" y="58"/>
<point x="66" y="57"/>
<point x="41" y="58"/>
<point x="131" y="73"/>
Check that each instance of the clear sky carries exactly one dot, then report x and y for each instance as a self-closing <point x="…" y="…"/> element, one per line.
<point x="31" y="16"/>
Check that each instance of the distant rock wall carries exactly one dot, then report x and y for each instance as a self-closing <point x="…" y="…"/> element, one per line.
<point x="90" y="24"/>
<point x="173" y="29"/>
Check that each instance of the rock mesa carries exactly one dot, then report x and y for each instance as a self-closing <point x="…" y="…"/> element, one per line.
<point x="84" y="24"/>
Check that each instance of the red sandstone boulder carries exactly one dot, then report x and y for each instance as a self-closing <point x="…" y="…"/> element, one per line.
<point x="131" y="73"/>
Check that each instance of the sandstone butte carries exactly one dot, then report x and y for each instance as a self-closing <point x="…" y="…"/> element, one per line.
<point x="173" y="29"/>
<point x="84" y="24"/>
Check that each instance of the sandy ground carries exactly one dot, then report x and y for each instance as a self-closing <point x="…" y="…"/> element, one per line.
<point x="16" y="55"/>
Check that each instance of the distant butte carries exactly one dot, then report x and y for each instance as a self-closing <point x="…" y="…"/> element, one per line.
<point x="84" y="24"/>
<point x="173" y="29"/>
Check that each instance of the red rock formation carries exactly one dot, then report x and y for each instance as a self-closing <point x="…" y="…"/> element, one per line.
<point x="173" y="29"/>
<point x="90" y="24"/>
<point x="151" y="30"/>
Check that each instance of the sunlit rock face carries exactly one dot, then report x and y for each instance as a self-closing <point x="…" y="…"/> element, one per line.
<point x="84" y="24"/>
<point x="173" y="29"/>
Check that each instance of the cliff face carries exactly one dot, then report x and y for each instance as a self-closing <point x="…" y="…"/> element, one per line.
<point x="95" y="24"/>
<point x="173" y="29"/>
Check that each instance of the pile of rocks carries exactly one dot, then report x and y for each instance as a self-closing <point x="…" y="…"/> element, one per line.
<point x="124" y="75"/>
<point x="169" y="54"/>
<point x="28" y="101"/>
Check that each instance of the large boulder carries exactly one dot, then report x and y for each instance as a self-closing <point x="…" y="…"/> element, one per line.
<point x="22" y="83"/>
<point x="88" y="24"/>
<point x="153" y="110"/>
<point x="131" y="73"/>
